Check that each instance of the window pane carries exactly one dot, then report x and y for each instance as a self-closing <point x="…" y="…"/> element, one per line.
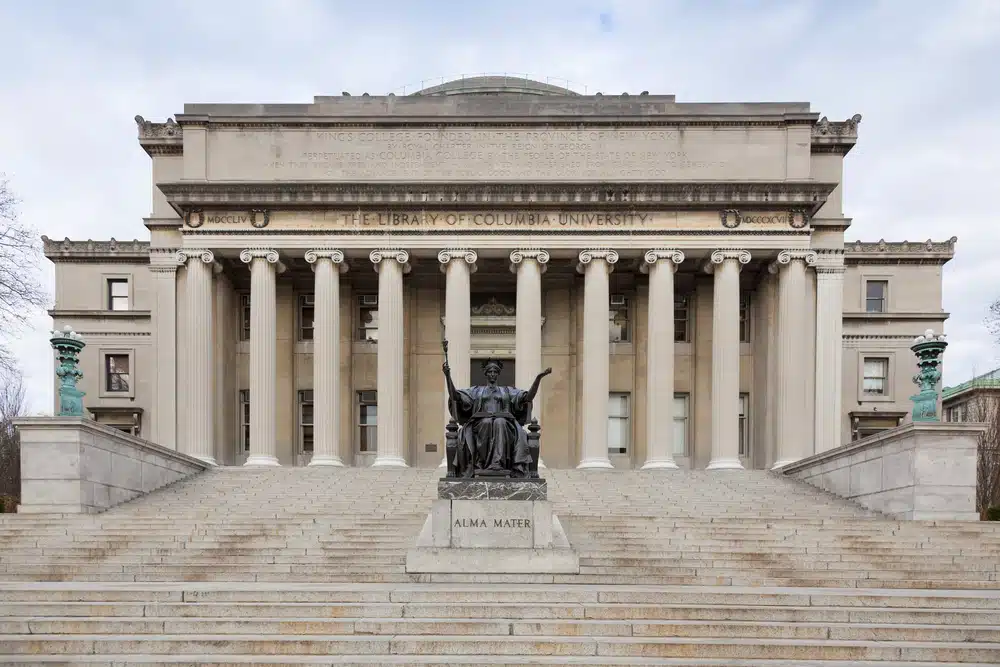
<point x="618" y="405"/>
<point x="119" y="288"/>
<point x="618" y="324"/>
<point x="244" y="316"/>
<point x="618" y="435"/>
<point x="875" y="289"/>
<point x="307" y="413"/>
<point x="876" y="370"/>
<point x="369" y="439"/>
<point x="681" y="319"/>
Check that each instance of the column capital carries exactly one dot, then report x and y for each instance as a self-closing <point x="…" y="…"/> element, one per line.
<point x="247" y="256"/>
<point x="589" y="255"/>
<point x="518" y="255"/>
<point x="380" y="255"/>
<point x="336" y="256"/>
<point x="674" y="257"/>
<point x="185" y="255"/>
<point x="786" y="257"/>
<point x="447" y="255"/>
<point x="829" y="262"/>
<point x="721" y="255"/>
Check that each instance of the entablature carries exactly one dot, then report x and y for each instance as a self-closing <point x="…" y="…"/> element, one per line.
<point x="899" y="252"/>
<point x="110" y="251"/>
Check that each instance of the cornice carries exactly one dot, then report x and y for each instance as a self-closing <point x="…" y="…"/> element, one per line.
<point x="835" y="137"/>
<point x="169" y="223"/>
<point x="912" y="316"/>
<point x="160" y="138"/>
<point x="101" y="314"/>
<point x="499" y="120"/>
<point x="110" y="251"/>
<point x="806" y="195"/>
<point x="899" y="252"/>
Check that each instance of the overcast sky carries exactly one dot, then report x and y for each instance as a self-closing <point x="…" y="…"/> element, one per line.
<point x="924" y="75"/>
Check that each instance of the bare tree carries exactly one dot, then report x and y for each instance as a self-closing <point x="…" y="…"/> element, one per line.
<point x="985" y="408"/>
<point x="21" y="294"/>
<point x="11" y="406"/>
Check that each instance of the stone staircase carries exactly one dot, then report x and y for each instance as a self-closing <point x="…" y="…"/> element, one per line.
<point x="305" y="566"/>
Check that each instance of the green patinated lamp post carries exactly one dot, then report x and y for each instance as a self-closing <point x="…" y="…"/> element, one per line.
<point x="67" y="344"/>
<point x="928" y="349"/>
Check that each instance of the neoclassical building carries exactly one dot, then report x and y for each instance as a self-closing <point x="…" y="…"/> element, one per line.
<point x="681" y="266"/>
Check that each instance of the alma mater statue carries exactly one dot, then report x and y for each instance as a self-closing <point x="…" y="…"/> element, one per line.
<point x="491" y="440"/>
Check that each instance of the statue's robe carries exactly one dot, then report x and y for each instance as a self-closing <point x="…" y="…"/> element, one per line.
<point x="491" y="436"/>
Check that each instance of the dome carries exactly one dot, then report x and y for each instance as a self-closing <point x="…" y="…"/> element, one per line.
<point x="494" y="85"/>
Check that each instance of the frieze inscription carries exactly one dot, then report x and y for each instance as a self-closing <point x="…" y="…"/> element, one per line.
<point x="521" y="155"/>
<point x="403" y="220"/>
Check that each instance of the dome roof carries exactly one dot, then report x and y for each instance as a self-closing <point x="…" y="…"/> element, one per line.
<point x="494" y="85"/>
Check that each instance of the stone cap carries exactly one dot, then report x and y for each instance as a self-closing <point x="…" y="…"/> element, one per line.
<point x="899" y="252"/>
<point x="503" y="488"/>
<point x="96" y="251"/>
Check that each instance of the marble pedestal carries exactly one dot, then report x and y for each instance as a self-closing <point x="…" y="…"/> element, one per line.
<point x="492" y="526"/>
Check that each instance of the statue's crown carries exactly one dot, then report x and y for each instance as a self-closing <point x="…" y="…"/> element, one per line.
<point x="492" y="362"/>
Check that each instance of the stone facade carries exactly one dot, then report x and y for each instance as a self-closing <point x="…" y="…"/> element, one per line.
<point x="681" y="267"/>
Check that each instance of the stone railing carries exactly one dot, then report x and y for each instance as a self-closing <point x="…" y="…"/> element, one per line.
<point x="72" y="465"/>
<point x="922" y="471"/>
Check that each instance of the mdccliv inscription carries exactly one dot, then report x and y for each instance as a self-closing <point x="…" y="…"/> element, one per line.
<point x="514" y="154"/>
<point x="490" y="440"/>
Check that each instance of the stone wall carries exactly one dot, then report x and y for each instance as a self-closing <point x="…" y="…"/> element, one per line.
<point x="71" y="465"/>
<point x="916" y="471"/>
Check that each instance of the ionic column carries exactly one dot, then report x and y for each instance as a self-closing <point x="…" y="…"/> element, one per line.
<point x="529" y="264"/>
<point x="791" y="430"/>
<point x="829" y="349"/>
<point x="391" y="432"/>
<point x="596" y="265"/>
<point x="198" y="430"/>
<point x="328" y="264"/>
<point x="458" y="265"/>
<point x="660" y="264"/>
<point x="263" y="355"/>
<point x="726" y="265"/>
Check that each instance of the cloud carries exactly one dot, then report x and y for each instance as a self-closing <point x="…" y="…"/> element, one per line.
<point x="921" y="73"/>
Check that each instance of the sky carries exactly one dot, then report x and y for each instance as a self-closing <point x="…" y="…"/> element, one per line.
<point x="923" y="75"/>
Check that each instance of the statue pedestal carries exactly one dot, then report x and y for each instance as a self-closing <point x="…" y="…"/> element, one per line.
<point x="492" y="526"/>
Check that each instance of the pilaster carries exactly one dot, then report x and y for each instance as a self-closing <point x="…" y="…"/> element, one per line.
<point x="829" y="349"/>
<point x="163" y="270"/>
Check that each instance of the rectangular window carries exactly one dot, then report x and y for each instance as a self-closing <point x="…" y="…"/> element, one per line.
<point x="368" y="318"/>
<point x="680" y="424"/>
<point x="367" y="421"/>
<point x="306" y="420"/>
<point x="116" y="373"/>
<point x="682" y="311"/>
<point x="245" y="419"/>
<point x="307" y="313"/>
<point x="744" y="425"/>
<point x="117" y="294"/>
<point x="876" y="376"/>
<point x="744" y="317"/>
<point x="245" y="316"/>
<point x="619" y="330"/>
<point x="875" y="291"/>
<point x="619" y="428"/>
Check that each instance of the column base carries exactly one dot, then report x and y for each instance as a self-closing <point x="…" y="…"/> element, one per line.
<point x="210" y="460"/>
<point x="389" y="462"/>
<point x="326" y="460"/>
<point x="597" y="463"/>
<point x="262" y="460"/>
<point x="783" y="463"/>
<point x="725" y="464"/>
<point x="659" y="464"/>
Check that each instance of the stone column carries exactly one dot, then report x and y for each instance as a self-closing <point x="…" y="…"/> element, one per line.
<point x="596" y="265"/>
<point x="458" y="265"/>
<point x="829" y="349"/>
<point x="263" y="355"/>
<point x="328" y="264"/>
<point x="163" y="269"/>
<point x="198" y="440"/>
<point x="791" y="429"/>
<point x="529" y="264"/>
<point x="660" y="264"/>
<point x="726" y="265"/>
<point x="391" y="264"/>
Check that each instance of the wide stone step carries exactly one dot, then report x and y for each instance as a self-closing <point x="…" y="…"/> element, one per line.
<point x="440" y="661"/>
<point x="660" y="647"/>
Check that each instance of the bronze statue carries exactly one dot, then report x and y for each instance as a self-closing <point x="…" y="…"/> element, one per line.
<point x="489" y="420"/>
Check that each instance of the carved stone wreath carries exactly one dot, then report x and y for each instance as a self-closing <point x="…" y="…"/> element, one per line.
<point x="259" y="217"/>
<point x="798" y="218"/>
<point x="194" y="218"/>
<point x="731" y="218"/>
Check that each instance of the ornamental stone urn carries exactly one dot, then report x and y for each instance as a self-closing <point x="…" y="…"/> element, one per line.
<point x="928" y="349"/>
<point x="67" y="344"/>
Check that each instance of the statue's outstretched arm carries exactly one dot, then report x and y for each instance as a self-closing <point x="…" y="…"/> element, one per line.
<point x="537" y="383"/>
